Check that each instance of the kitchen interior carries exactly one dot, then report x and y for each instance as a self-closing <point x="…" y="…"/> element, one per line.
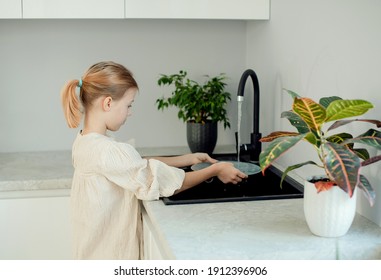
<point x="315" y="48"/>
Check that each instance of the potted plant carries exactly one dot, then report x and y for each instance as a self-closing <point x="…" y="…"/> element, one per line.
<point x="340" y="160"/>
<point x="201" y="106"/>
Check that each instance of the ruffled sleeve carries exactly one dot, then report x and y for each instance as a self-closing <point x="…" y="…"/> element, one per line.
<point x="147" y="179"/>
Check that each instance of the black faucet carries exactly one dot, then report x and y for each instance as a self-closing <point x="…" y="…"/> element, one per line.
<point x="255" y="147"/>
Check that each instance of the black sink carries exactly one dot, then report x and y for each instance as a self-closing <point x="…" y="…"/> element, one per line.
<point x="256" y="187"/>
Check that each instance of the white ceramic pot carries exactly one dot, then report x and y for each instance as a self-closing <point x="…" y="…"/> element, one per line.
<point x="328" y="213"/>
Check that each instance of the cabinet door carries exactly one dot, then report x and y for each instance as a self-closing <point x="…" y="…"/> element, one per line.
<point x="35" y="228"/>
<point x="151" y="249"/>
<point x="198" y="9"/>
<point x="154" y="247"/>
<point x="73" y="8"/>
<point x="10" y="8"/>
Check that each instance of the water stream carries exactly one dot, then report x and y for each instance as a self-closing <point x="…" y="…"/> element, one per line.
<point x="239" y="128"/>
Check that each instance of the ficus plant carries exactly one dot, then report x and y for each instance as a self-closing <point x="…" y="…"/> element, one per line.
<point x="339" y="157"/>
<point x="196" y="102"/>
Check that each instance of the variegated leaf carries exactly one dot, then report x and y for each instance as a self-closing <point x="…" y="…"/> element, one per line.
<point x="371" y="138"/>
<point x="344" y="122"/>
<point x="311" y="112"/>
<point x="324" y="185"/>
<point x="276" y="134"/>
<point x="361" y="153"/>
<point x="371" y="160"/>
<point x="296" y="121"/>
<point x="341" y="109"/>
<point x="296" y="166"/>
<point x="277" y="148"/>
<point x="339" y="138"/>
<point x="342" y="166"/>
<point x="366" y="187"/>
<point x="292" y="93"/>
<point x="313" y="139"/>
<point x="325" y="101"/>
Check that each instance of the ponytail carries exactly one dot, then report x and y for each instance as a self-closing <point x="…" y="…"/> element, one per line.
<point x="71" y="104"/>
<point x="102" y="79"/>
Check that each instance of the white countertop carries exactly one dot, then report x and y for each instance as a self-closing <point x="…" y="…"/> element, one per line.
<point x="53" y="170"/>
<point x="272" y="229"/>
<point x="29" y="171"/>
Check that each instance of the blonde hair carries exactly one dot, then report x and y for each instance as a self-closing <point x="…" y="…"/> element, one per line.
<point x="102" y="79"/>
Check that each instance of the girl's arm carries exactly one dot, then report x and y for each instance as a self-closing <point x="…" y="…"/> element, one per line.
<point x="225" y="171"/>
<point x="185" y="160"/>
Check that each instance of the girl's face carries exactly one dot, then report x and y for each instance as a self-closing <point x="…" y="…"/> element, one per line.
<point x="120" y="110"/>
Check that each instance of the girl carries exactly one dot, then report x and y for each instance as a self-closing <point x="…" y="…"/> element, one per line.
<point x="110" y="177"/>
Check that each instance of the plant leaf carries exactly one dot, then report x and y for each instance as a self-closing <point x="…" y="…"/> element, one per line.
<point x="361" y="153"/>
<point x="367" y="189"/>
<point x="371" y="160"/>
<point x="339" y="138"/>
<point x="372" y="138"/>
<point x="296" y="121"/>
<point x="277" y="148"/>
<point x="293" y="167"/>
<point x="196" y="102"/>
<point x="311" y="112"/>
<point x="342" y="166"/>
<point x="325" y="101"/>
<point x="276" y="134"/>
<point x="311" y="137"/>
<point x="293" y="94"/>
<point x="324" y="185"/>
<point x="341" y="109"/>
<point x="341" y="123"/>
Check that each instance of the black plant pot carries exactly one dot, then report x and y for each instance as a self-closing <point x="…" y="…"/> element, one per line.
<point x="202" y="137"/>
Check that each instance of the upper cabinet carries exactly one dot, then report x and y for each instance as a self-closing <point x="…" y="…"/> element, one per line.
<point x="73" y="8"/>
<point x="136" y="9"/>
<point x="198" y="9"/>
<point x="10" y="9"/>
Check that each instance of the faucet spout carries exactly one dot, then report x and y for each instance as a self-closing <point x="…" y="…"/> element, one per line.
<point x="255" y="146"/>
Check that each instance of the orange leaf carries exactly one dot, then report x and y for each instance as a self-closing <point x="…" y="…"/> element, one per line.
<point x="276" y="134"/>
<point x="324" y="186"/>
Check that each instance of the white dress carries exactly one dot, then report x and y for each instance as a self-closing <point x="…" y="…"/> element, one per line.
<point x="109" y="178"/>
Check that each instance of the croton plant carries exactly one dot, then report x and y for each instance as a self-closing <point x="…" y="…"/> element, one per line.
<point x="340" y="159"/>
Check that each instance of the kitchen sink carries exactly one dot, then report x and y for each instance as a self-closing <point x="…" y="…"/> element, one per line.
<point x="256" y="187"/>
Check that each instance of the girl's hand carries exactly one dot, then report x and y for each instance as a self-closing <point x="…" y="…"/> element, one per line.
<point x="227" y="173"/>
<point x="200" y="157"/>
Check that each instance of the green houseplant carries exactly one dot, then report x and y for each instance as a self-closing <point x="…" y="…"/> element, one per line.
<point x="201" y="106"/>
<point x="340" y="160"/>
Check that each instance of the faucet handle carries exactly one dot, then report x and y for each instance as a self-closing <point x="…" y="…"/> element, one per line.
<point x="253" y="149"/>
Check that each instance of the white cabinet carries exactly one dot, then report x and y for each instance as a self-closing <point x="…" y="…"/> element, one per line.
<point x="73" y="8"/>
<point x="153" y="246"/>
<point x="153" y="9"/>
<point x="198" y="9"/>
<point x="10" y="9"/>
<point x="35" y="228"/>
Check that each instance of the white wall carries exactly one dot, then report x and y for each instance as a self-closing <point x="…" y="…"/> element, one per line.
<point x="38" y="56"/>
<point x="319" y="48"/>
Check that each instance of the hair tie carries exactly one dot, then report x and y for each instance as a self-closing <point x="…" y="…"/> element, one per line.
<point x="79" y="83"/>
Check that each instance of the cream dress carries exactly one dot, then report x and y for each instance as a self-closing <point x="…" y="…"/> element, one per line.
<point x="109" y="179"/>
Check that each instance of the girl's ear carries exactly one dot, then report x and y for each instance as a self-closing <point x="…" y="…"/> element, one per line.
<point x="106" y="104"/>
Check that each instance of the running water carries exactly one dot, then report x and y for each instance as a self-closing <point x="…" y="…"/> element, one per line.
<point x="240" y="101"/>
